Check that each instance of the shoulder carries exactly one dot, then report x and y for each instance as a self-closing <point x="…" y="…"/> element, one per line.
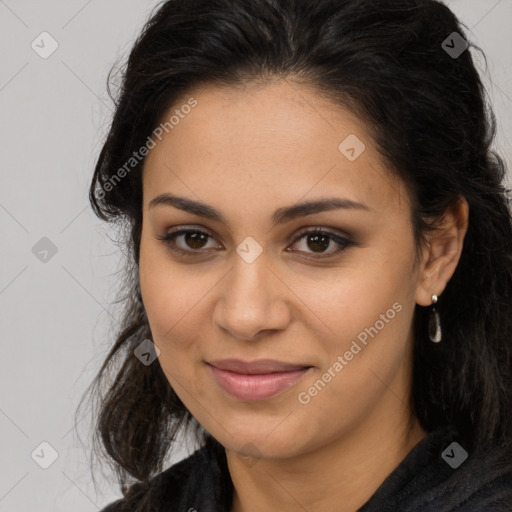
<point x="482" y="483"/>
<point x="445" y="472"/>
<point x="175" y="486"/>
<point x="472" y="479"/>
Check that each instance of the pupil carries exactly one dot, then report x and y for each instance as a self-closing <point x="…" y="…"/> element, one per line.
<point x="194" y="240"/>
<point x="315" y="239"/>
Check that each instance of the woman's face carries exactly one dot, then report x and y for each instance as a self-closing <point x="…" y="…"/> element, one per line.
<point x="254" y="285"/>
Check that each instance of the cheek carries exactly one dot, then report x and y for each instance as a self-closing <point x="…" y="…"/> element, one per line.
<point x="172" y="317"/>
<point x="357" y="297"/>
<point x="173" y="297"/>
<point x="164" y="291"/>
<point x="367" y="316"/>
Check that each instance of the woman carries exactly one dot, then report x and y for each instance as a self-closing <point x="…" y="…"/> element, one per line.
<point x="319" y="277"/>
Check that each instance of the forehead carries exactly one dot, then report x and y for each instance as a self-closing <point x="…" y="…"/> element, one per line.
<point x="267" y="143"/>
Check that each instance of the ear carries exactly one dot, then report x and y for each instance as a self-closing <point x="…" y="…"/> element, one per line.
<point x="442" y="253"/>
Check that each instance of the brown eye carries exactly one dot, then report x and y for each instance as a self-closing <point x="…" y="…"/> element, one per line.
<point x="318" y="241"/>
<point x="193" y="240"/>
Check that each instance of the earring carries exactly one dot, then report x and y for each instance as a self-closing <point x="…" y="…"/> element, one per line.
<point x="434" y="323"/>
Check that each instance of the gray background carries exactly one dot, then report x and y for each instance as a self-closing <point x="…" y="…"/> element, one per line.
<point x="57" y="317"/>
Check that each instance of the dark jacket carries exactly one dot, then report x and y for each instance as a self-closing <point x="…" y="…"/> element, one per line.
<point x="433" y="477"/>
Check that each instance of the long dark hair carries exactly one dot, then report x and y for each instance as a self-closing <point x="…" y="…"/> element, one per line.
<point x="430" y="117"/>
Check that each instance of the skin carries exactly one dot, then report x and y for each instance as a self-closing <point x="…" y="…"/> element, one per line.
<point x="247" y="152"/>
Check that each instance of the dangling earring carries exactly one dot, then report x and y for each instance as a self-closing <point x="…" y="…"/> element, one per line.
<point x="434" y="323"/>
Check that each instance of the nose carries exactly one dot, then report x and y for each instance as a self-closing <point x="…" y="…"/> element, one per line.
<point x="252" y="299"/>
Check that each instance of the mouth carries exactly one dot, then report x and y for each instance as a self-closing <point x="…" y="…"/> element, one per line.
<point x="256" y="380"/>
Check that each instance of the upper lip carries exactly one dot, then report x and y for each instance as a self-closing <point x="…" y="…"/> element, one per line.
<point x="261" y="366"/>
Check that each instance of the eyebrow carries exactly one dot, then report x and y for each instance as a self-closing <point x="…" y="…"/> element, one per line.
<point x="280" y="216"/>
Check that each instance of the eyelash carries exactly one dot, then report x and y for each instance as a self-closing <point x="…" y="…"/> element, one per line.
<point x="169" y="241"/>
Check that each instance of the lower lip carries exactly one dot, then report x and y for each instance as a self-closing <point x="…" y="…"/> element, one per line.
<point x="256" y="387"/>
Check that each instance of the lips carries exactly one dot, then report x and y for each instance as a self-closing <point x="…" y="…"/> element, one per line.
<point x="256" y="380"/>
<point x="261" y="366"/>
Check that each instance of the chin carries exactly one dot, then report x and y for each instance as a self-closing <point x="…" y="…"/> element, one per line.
<point x="260" y="442"/>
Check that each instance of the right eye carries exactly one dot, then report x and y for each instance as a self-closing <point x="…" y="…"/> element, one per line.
<point x="193" y="238"/>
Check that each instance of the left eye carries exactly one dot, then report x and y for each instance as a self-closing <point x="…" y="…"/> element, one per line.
<point x="317" y="240"/>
